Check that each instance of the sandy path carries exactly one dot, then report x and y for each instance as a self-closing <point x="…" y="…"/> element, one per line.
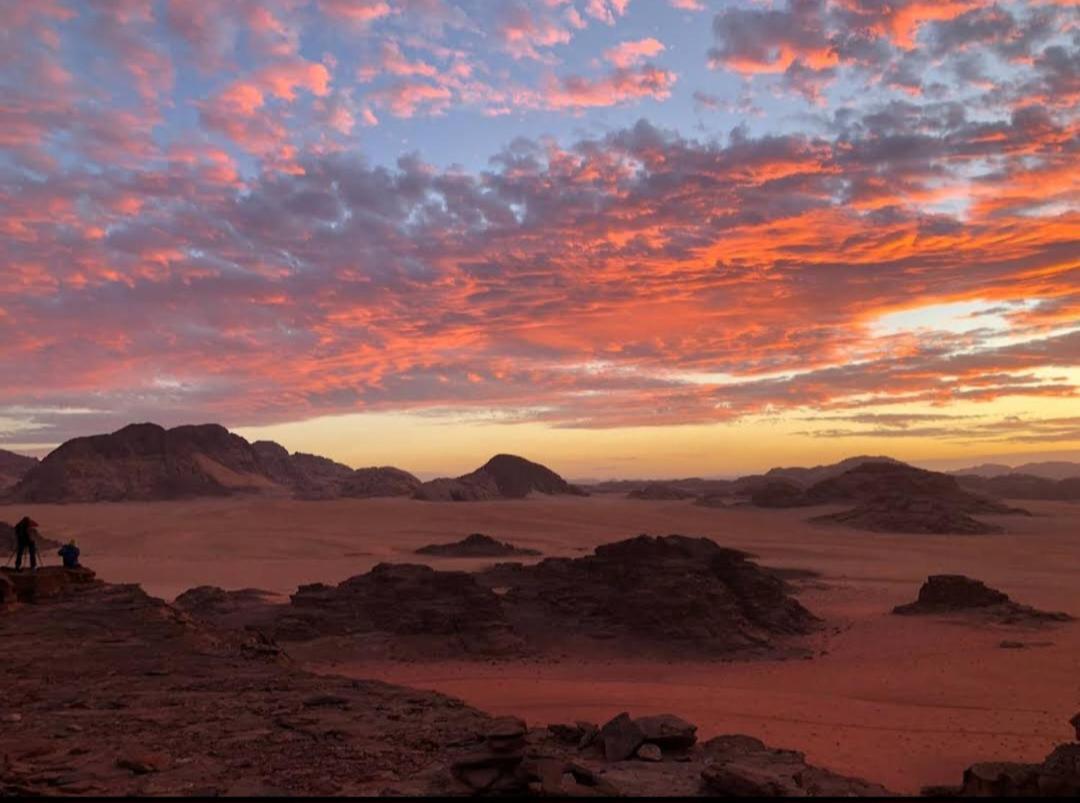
<point x="900" y="701"/>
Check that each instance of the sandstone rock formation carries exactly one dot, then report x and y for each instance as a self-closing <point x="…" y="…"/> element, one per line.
<point x="650" y="594"/>
<point x="109" y="692"/>
<point x="145" y="461"/>
<point x="659" y="491"/>
<point x="1023" y="486"/>
<point x="402" y="610"/>
<point x="1058" y="775"/>
<point x="149" y="462"/>
<point x="364" y="483"/>
<point x="502" y="477"/>
<point x="308" y="475"/>
<point x="661" y="596"/>
<point x="238" y="609"/>
<point x="894" y="497"/>
<point x="13" y="467"/>
<point x="778" y="493"/>
<point x="916" y="515"/>
<point x="955" y="593"/>
<point x="477" y="545"/>
<point x="47" y="583"/>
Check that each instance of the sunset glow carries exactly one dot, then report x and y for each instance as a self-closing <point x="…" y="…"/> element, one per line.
<point x="627" y="238"/>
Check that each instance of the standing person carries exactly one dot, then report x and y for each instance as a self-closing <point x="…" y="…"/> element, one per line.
<point x="24" y="540"/>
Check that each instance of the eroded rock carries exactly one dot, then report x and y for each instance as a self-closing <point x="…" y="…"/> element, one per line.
<point x="957" y="594"/>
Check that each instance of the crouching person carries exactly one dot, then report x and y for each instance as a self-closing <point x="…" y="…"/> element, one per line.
<point x="70" y="554"/>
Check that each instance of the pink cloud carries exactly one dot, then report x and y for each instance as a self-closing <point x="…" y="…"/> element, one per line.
<point x="627" y="54"/>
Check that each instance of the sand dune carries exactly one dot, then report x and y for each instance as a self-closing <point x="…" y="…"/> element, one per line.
<point x="899" y="701"/>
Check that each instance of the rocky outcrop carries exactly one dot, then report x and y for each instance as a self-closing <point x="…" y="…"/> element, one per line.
<point x="402" y="611"/>
<point x="1058" y="775"/>
<point x="878" y="482"/>
<point x="660" y="596"/>
<point x="108" y="692"/>
<point x="46" y="583"/>
<point x="806" y="477"/>
<point x="366" y="483"/>
<point x="897" y="498"/>
<point x="955" y="593"/>
<point x="650" y="594"/>
<point x="741" y="766"/>
<point x="477" y="545"/>
<point x="502" y="477"/>
<point x="237" y="609"/>
<point x="13" y="467"/>
<point x="145" y="461"/>
<point x="778" y="493"/>
<point x="915" y="515"/>
<point x="658" y="491"/>
<point x="149" y="462"/>
<point x="308" y="475"/>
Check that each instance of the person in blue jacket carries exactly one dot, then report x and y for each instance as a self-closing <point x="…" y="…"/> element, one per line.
<point x="70" y="553"/>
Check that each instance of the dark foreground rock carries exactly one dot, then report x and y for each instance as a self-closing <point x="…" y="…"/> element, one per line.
<point x="477" y="545"/>
<point x="47" y="583"/>
<point x="110" y="692"/>
<point x="955" y="593"/>
<point x="620" y="760"/>
<point x="1058" y="775"/>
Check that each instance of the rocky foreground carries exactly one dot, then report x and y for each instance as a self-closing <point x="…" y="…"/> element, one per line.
<point x="109" y="691"/>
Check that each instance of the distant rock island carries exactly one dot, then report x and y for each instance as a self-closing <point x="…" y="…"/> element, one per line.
<point x="505" y="476"/>
<point x="477" y="545"/>
<point x="148" y="462"/>
<point x="955" y="593"/>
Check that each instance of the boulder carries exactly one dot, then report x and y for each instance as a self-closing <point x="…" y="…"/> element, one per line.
<point x="621" y="737"/>
<point x="650" y="752"/>
<point x="668" y="731"/>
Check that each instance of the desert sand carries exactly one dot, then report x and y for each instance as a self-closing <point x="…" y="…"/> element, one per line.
<point x="904" y="702"/>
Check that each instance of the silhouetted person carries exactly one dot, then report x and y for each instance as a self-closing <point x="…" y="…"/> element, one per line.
<point x="70" y="553"/>
<point x="24" y="542"/>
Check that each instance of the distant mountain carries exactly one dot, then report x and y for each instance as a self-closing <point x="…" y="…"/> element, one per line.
<point x="149" y="462"/>
<point x="808" y="476"/>
<point x="1051" y="470"/>
<point x="13" y="467"/>
<point x="1023" y="486"/>
<point x="504" y="476"/>
<point x="889" y="496"/>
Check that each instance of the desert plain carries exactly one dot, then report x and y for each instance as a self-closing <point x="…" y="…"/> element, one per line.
<point x="902" y="701"/>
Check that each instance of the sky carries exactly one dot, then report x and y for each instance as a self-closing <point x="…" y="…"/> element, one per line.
<point x="622" y="237"/>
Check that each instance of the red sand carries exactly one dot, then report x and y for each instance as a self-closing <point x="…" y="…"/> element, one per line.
<point x="902" y="701"/>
